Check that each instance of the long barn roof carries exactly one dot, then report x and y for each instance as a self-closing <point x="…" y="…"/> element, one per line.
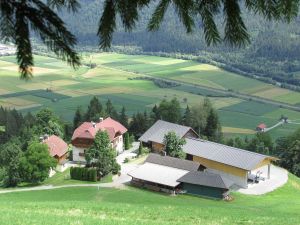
<point x="206" y="179"/>
<point x="172" y="162"/>
<point x="224" y="154"/>
<point x="157" y="132"/>
<point x="159" y="174"/>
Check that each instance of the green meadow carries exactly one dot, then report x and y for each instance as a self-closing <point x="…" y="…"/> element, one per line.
<point x="58" y="86"/>
<point x="90" y="205"/>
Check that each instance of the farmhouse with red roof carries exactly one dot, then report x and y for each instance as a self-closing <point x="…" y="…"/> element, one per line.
<point x="84" y="136"/>
<point x="261" y="127"/>
<point x="57" y="148"/>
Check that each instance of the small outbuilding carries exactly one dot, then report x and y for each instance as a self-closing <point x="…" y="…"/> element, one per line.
<point x="58" y="148"/>
<point x="160" y="173"/>
<point x="261" y="127"/>
<point x="205" y="184"/>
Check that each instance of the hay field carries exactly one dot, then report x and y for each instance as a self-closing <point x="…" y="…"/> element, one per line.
<point x="63" y="89"/>
<point x="195" y="73"/>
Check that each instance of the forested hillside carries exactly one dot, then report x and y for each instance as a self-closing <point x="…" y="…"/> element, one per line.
<point x="274" y="51"/>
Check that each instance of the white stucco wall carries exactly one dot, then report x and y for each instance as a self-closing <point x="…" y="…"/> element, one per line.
<point x="76" y="156"/>
<point x="119" y="146"/>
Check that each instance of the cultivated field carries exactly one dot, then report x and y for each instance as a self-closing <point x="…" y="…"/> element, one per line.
<point x="88" y="205"/>
<point x="195" y="73"/>
<point x="59" y="87"/>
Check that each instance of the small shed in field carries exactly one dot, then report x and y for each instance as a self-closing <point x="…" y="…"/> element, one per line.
<point x="205" y="184"/>
<point x="261" y="127"/>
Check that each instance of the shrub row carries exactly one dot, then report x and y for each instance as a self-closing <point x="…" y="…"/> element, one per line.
<point x="82" y="173"/>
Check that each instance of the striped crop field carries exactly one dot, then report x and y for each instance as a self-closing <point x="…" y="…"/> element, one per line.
<point x="117" y="77"/>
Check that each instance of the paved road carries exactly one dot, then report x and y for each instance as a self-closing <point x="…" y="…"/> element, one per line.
<point x="118" y="181"/>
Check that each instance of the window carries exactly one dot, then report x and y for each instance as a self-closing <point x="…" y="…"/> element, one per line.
<point x="82" y="154"/>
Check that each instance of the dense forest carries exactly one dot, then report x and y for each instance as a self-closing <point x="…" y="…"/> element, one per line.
<point x="273" y="55"/>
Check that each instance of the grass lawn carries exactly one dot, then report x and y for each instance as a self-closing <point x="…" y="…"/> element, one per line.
<point x="61" y="178"/>
<point x="64" y="179"/>
<point x="88" y="205"/>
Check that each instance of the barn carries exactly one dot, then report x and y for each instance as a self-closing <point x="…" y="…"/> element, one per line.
<point x="235" y="164"/>
<point x="154" y="136"/>
<point x="205" y="184"/>
<point x="172" y="175"/>
<point x="160" y="173"/>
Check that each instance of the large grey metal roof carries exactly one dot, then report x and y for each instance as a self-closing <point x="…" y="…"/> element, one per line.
<point x="157" y="132"/>
<point x="158" y="174"/>
<point x="224" y="154"/>
<point x="173" y="162"/>
<point x="206" y="179"/>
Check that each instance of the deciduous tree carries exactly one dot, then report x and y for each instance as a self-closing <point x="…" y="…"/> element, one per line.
<point x="36" y="163"/>
<point x="173" y="145"/>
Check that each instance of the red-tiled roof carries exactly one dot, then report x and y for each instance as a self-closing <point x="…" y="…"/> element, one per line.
<point x="56" y="146"/>
<point x="262" y="126"/>
<point x="89" y="130"/>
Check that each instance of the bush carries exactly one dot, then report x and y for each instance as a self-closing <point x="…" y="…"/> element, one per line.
<point x="142" y="150"/>
<point x="126" y="140"/>
<point x="93" y="175"/>
<point x="126" y="160"/>
<point x="83" y="173"/>
<point x="115" y="168"/>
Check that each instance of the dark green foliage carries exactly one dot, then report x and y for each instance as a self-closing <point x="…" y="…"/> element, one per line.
<point x="126" y="141"/>
<point x="173" y="145"/>
<point x="288" y="150"/>
<point x="12" y="121"/>
<point x="187" y="117"/>
<point x="78" y="118"/>
<point x="36" y="163"/>
<point x="49" y="123"/>
<point x="213" y="127"/>
<point x="94" y="110"/>
<point x="169" y="110"/>
<point x="189" y="12"/>
<point x="115" y="168"/>
<point x="10" y="155"/>
<point x="83" y="173"/>
<point x="100" y="155"/>
<point x="140" y="149"/>
<point x="123" y="118"/>
<point x="139" y="124"/>
<point x="261" y="143"/>
<point x="111" y="111"/>
<point x="18" y="18"/>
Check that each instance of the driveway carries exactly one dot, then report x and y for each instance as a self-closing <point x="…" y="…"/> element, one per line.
<point x="126" y="167"/>
<point x="278" y="178"/>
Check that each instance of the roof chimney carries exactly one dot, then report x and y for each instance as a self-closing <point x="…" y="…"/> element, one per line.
<point x="100" y="119"/>
<point x="94" y="124"/>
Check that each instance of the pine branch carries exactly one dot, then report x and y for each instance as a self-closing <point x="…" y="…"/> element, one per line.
<point x="107" y="24"/>
<point x="71" y="5"/>
<point x="235" y="30"/>
<point x="207" y="9"/>
<point x="158" y="15"/>
<point x="24" y="53"/>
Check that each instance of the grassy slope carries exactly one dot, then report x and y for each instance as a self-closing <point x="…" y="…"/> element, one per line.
<point x="61" y="178"/>
<point x="134" y="206"/>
